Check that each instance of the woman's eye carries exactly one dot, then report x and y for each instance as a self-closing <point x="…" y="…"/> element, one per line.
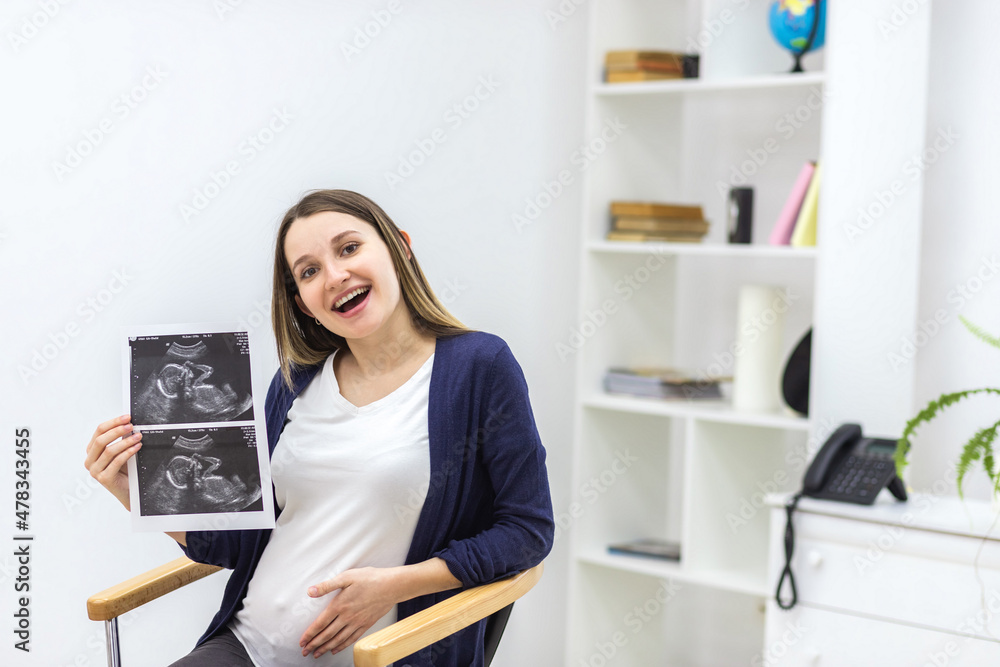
<point x="352" y="246"/>
<point x="306" y="273"/>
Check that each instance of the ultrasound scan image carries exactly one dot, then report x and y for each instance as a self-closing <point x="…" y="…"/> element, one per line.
<point x="199" y="471"/>
<point x="190" y="379"/>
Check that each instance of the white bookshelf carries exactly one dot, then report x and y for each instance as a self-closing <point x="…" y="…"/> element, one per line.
<point x="720" y="411"/>
<point x="695" y="86"/>
<point x="681" y="470"/>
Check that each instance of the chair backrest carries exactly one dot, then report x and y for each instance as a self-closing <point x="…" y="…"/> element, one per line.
<point x="495" y="624"/>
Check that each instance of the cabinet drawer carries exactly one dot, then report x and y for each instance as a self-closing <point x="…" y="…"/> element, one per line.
<point x="807" y="637"/>
<point x="901" y="574"/>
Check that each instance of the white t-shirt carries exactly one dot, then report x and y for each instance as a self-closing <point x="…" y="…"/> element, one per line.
<point x="350" y="482"/>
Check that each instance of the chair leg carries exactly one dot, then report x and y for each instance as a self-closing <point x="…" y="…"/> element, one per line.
<point x="111" y="638"/>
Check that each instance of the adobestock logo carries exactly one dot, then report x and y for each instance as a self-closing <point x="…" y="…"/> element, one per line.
<point x="454" y="117"/>
<point x="30" y="26"/>
<point x="121" y="108"/>
<point x="584" y="156"/>
<point x="381" y="18"/>
<point x="249" y="149"/>
<point x="60" y="339"/>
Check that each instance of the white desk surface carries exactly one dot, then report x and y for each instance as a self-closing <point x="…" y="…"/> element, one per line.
<point x="945" y="514"/>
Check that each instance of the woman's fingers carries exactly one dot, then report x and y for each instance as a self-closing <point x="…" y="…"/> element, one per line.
<point x="331" y="636"/>
<point x="112" y="445"/>
<point x="107" y="432"/>
<point x="316" y="628"/>
<point x="99" y="446"/>
<point x="117" y="455"/>
<point x="336" y="646"/>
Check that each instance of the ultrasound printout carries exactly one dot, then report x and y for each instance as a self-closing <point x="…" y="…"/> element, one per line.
<point x="203" y="464"/>
<point x="190" y="379"/>
<point x="199" y="471"/>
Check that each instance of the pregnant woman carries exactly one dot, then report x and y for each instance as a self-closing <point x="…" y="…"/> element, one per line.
<point x="404" y="455"/>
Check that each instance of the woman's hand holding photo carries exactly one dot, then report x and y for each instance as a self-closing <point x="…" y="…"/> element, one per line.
<point x="111" y="446"/>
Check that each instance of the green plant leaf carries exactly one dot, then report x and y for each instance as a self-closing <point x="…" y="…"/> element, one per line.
<point x="981" y="442"/>
<point x="980" y="333"/>
<point x="927" y="414"/>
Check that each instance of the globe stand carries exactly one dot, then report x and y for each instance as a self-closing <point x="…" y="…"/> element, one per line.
<point x="817" y="12"/>
<point x="798" y="61"/>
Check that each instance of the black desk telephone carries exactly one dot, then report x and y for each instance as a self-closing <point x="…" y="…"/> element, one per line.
<point x="853" y="469"/>
<point x="849" y="468"/>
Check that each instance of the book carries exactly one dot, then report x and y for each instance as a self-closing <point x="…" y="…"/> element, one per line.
<point x="661" y="382"/>
<point x="663" y="237"/>
<point x="805" y="225"/>
<point x="667" y="374"/>
<point x="651" y="548"/>
<point x="684" y="64"/>
<point x="631" y="58"/>
<point x="783" y="228"/>
<point x="647" y="66"/>
<point x="630" y="76"/>
<point x="657" y="210"/>
<point x="651" y="224"/>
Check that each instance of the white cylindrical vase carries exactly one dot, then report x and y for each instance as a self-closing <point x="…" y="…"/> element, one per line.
<point x="759" y="329"/>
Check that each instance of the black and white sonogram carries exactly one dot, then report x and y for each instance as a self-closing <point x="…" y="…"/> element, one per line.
<point x="190" y="378"/>
<point x="198" y="471"/>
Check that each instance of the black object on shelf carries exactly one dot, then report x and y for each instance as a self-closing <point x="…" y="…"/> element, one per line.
<point x="740" y="215"/>
<point x="795" y="382"/>
<point x="689" y="66"/>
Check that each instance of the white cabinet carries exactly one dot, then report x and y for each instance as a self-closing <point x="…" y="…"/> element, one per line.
<point x="893" y="584"/>
<point x="695" y="472"/>
<point x="810" y="637"/>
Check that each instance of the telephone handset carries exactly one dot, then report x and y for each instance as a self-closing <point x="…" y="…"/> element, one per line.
<point x="850" y="468"/>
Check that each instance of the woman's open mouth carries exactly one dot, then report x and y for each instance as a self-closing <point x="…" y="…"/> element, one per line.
<point x="354" y="302"/>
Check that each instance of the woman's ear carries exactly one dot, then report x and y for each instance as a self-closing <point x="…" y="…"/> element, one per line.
<point x="302" y="306"/>
<point x="406" y="237"/>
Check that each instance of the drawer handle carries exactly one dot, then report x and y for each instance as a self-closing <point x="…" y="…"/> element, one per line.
<point x="815" y="558"/>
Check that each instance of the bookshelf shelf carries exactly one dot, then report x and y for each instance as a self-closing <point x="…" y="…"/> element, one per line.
<point x="707" y="410"/>
<point x="652" y="567"/>
<point x="694" y="86"/>
<point x="703" y="249"/>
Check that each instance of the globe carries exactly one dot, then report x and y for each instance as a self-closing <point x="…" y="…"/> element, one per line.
<point x="795" y="27"/>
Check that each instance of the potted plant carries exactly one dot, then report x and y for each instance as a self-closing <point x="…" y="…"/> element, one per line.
<point x="979" y="447"/>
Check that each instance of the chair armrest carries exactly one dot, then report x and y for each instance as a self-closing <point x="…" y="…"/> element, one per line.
<point x="441" y="620"/>
<point x="137" y="591"/>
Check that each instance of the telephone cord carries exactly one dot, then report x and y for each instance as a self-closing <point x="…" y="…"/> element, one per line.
<point x="786" y="573"/>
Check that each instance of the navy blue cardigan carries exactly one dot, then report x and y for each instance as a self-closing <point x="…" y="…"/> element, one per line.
<point x="487" y="514"/>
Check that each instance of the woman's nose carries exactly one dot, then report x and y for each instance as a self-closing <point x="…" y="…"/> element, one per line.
<point x="336" y="274"/>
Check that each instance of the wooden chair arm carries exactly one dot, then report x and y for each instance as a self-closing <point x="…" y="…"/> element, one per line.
<point x="441" y="620"/>
<point x="137" y="591"/>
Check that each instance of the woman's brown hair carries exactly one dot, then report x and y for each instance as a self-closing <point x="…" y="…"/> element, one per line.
<point x="300" y="340"/>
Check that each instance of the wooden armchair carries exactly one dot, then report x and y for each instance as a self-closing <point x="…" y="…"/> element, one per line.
<point x="375" y="650"/>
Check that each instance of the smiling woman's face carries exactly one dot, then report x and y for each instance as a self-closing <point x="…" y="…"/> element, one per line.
<point x="332" y="255"/>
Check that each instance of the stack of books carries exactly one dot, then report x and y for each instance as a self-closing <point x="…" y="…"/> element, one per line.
<point x="629" y="66"/>
<point x="660" y="382"/>
<point x="796" y="225"/>
<point x="646" y="221"/>
<point x="651" y="548"/>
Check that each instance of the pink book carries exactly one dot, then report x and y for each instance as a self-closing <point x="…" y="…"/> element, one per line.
<point x="782" y="232"/>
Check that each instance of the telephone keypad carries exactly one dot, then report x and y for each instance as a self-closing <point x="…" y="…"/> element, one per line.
<point x="860" y="478"/>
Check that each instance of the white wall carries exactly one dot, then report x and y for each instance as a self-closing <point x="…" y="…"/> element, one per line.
<point x="116" y="221"/>
<point x="960" y="263"/>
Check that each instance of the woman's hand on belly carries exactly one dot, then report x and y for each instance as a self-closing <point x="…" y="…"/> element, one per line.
<point x="365" y="595"/>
